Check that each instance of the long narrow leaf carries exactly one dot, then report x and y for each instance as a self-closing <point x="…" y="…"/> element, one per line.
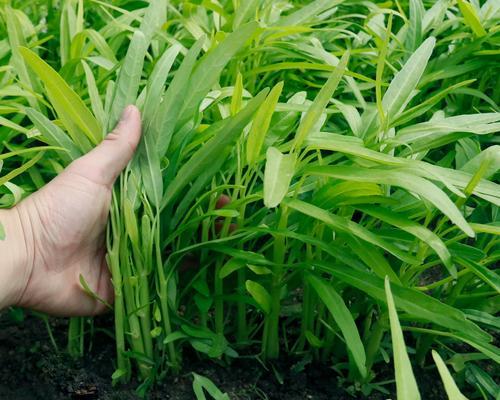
<point x="345" y="225"/>
<point x="406" y="385"/>
<point x="204" y="156"/>
<point x="73" y="112"/>
<point x="406" y="80"/>
<point x="343" y="318"/>
<point x="402" y="179"/>
<point x="415" y="303"/>
<point x="449" y="384"/>
<point x="320" y="102"/>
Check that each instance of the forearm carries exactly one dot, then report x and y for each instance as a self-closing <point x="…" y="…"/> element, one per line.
<point x="13" y="258"/>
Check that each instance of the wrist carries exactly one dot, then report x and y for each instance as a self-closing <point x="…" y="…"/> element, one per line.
<point x="14" y="261"/>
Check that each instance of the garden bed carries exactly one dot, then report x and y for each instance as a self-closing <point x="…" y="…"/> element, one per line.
<point x="32" y="370"/>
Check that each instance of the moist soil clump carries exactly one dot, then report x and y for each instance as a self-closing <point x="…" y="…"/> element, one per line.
<point x="32" y="369"/>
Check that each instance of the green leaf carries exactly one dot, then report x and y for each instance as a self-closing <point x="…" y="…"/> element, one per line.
<point x="17" y="39"/>
<point x="2" y="232"/>
<point x="74" y="114"/>
<point x="307" y="12"/>
<point x="260" y="295"/>
<point x="401" y="178"/>
<point x="149" y="163"/>
<point x="156" y="83"/>
<point x="168" y="113"/>
<point x="91" y="293"/>
<point x="417" y="230"/>
<point x="490" y="277"/>
<point x="450" y="386"/>
<point x="259" y="270"/>
<point x="482" y="379"/>
<point x="320" y="102"/>
<point x="471" y="18"/>
<point x="200" y="383"/>
<point x="130" y="220"/>
<point x="313" y="340"/>
<point x="15" y="172"/>
<point x="227" y="132"/>
<point x="415" y="303"/>
<point x="127" y="83"/>
<point x="118" y="374"/>
<point x="172" y="337"/>
<point x="231" y="266"/>
<point x="343" y="318"/>
<point x="406" y="385"/>
<point x="278" y="174"/>
<point x="479" y="124"/>
<point x="406" y="80"/>
<point x="209" y="68"/>
<point x="492" y="154"/>
<point x="100" y="44"/>
<point x="414" y="33"/>
<point x="245" y="11"/>
<point x="261" y="122"/>
<point x="483" y="317"/>
<point x="154" y="17"/>
<point x="344" y="225"/>
<point x="373" y="258"/>
<point x="237" y="97"/>
<point x="95" y="99"/>
<point x="53" y="135"/>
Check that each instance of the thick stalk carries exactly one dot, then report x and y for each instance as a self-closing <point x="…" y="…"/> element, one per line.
<point x="375" y="339"/>
<point x="241" y="318"/>
<point x="307" y="307"/>
<point x="218" y="302"/>
<point x="119" y="309"/>
<point x="131" y="307"/>
<point x="123" y="363"/>
<point x="143" y="312"/>
<point x="329" y="341"/>
<point x="270" y="343"/>
<point x="162" y="290"/>
<point x="241" y="329"/>
<point x="219" y="286"/>
<point x="75" y="337"/>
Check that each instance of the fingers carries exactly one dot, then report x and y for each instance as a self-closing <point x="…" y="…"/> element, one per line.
<point x="104" y="163"/>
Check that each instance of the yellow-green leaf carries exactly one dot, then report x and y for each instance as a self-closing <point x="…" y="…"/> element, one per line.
<point x="261" y="123"/>
<point x="260" y="295"/>
<point x="406" y="385"/>
<point x="72" y="111"/>
<point x="471" y="18"/>
<point x="449" y="384"/>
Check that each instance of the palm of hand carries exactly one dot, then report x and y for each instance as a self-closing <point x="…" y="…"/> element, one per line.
<point x="64" y="226"/>
<point x="67" y="220"/>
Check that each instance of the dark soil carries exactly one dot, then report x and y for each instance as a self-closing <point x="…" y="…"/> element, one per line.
<point x="31" y="369"/>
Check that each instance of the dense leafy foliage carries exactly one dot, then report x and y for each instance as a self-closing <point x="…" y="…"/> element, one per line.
<point x="356" y="141"/>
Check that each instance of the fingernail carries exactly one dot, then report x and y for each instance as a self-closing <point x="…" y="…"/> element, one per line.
<point x="127" y="112"/>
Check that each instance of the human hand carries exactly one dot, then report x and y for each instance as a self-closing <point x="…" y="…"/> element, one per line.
<point x="58" y="233"/>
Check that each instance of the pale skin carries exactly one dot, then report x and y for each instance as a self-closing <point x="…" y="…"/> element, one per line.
<point x="58" y="233"/>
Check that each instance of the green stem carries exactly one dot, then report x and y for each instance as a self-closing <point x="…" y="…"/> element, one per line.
<point x="164" y="298"/>
<point x="75" y="337"/>
<point x="270" y="342"/>
<point x="144" y="312"/>
<point x="129" y="282"/>
<point x="375" y="339"/>
<point x="123" y="363"/>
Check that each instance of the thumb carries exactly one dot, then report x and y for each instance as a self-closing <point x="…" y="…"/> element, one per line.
<point x="105" y="162"/>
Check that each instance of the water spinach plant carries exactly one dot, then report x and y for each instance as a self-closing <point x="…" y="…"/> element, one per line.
<point x="315" y="178"/>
